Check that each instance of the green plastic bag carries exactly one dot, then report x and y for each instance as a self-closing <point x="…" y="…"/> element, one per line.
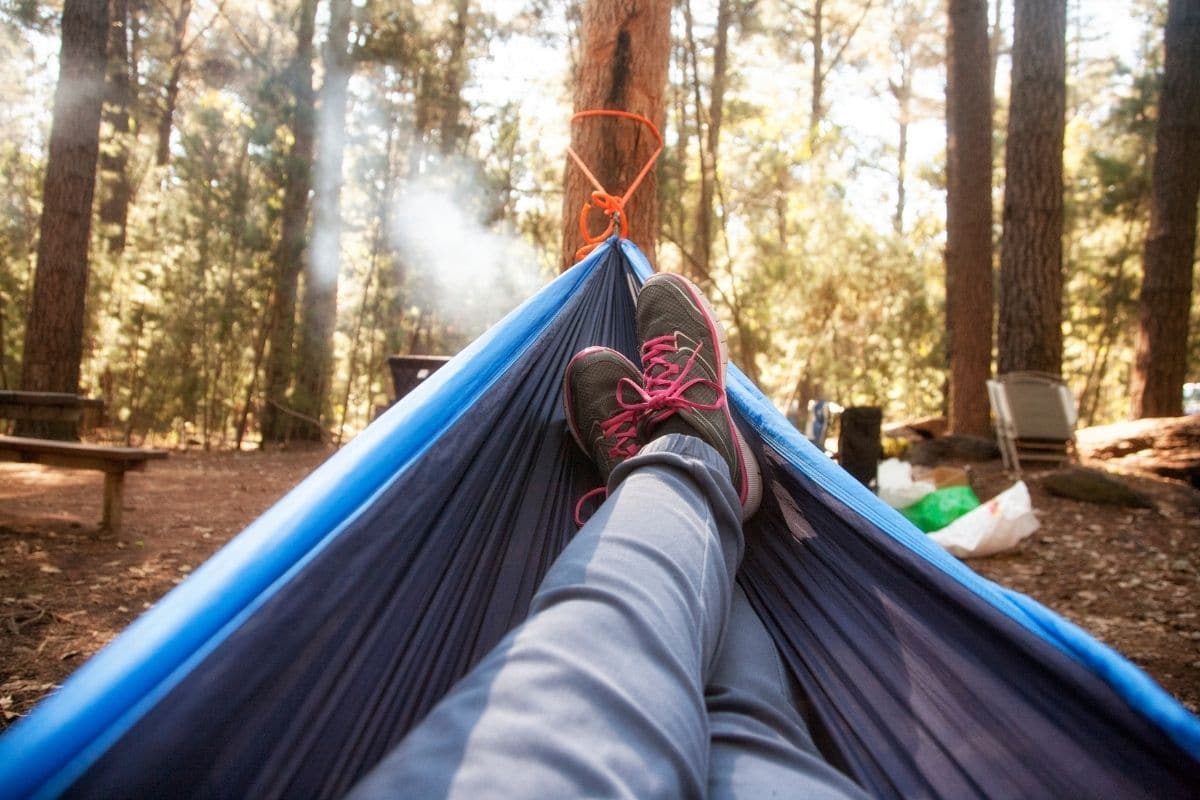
<point x="938" y="509"/>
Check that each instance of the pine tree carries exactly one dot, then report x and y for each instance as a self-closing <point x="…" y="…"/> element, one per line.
<point x="289" y="258"/>
<point x="321" y="270"/>
<point x="626" y="44"/>
<point x="969" y="215"/>
<point x="1031" y="260"/>
<point x="1161" y="364"/>
<point x="54" y="334"/>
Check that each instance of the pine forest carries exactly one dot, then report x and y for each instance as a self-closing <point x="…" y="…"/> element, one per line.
<point x="287" y="192"/>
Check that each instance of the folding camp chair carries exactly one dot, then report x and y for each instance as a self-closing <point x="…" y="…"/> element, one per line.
<point x="1035" y="418"/>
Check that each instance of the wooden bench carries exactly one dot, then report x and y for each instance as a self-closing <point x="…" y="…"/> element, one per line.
<point x="114" y="462"/>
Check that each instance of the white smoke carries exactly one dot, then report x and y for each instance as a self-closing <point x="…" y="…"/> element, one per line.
<point x="476" y="274"/>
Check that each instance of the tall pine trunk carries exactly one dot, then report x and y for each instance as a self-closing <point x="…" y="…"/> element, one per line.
<point x="709" y="134"/>
<point x="54" y="334"/>
<point x="114" y="163"/>
<point x="816" y="111"/>
<point x="289" y="257"/>
<point x="968" y="216"/>
<point x="1031" y="260"/>
<point x="456" y="74"/>
<point x="1166" y="299"/>
<point x="321" y="271"/>
<point x="166" y="122"/>
<point x="626" y="44"/>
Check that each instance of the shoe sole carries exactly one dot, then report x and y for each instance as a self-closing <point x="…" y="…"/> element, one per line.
<point x="751" y="493"/>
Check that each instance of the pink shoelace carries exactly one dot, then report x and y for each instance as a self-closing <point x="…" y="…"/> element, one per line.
<point x="665" y="384"/>
<point x="622" y="427"/>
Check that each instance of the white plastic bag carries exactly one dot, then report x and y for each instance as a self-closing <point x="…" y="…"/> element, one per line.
<point x="995" y="526"/>
<point x="896" y="486"/>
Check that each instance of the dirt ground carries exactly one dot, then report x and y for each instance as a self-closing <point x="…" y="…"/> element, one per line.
<point x="1131" y="577"/>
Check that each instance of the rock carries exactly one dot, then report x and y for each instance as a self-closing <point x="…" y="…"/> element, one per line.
<point x="1093" y="486"/>
<point x="952" y="448"/>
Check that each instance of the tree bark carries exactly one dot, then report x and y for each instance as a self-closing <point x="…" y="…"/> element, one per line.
<point x="816" y="111"/>
<point x="626" y="44"/>
<point x="289" y="257"/>
<point x="825" y="30"/>
<point x="709" y="134"/>
<point x="1166" y="299"/>
<point x="1031" y="262"/>
<point x="54" y="333"/>
<point x="321" y="271"/>
<point x="178" y="53"/>
<point x="904" y="44"/>
<point x="996" y="42"/>
<point x="969" y="297"/>
<point x="456" y="72"/>
<point x="114" y="208"/>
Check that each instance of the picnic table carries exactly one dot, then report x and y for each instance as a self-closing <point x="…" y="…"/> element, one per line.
<point x="45" y="406"/>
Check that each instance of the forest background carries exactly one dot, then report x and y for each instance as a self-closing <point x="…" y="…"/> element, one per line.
<point x="289" y="191"/>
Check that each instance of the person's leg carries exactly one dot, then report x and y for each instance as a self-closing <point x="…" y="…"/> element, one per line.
<point x="600" y="691"/>
<point x="761" y="746"/>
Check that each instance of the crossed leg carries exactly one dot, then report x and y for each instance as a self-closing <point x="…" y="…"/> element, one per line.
<point x="601" y="691"/>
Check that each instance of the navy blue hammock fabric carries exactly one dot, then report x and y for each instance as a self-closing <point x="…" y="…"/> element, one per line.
<point x="293" y="660"/>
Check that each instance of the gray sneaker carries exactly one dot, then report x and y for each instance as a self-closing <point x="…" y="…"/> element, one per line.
<point x="683" y="372"/>
<point x="602" y="427"/>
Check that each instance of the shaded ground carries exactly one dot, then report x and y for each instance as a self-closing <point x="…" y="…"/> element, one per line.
<point x="1129" y="576"/>
<point x="63" y="595"/>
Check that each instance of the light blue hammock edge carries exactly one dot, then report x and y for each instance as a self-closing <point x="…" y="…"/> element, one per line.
<point x="47" y="751"/>
<point x="44" y="753"/>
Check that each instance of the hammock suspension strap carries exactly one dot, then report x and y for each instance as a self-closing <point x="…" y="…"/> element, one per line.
<point x="612" y="205"/>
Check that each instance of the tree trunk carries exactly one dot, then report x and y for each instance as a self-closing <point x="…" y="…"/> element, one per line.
<point x="54" y="333"/>
<point x="178" y="52"/>
<point x="1166" y="299"/>
<point x="289" y="257"/>
<point x="626" y="44"/>
<point x="902" y="90"/>
<point x="996" y="42"/>
<point x="315" y="364"/>
<point x="902" y="167"/>
<point x="817" y="41"/>
<point x="709" y="135"/>
<point x="1031" y="263"/>
<point x="114" y="208"/>
<point x="969" y="298"/>
<point x="382" y="198"/>
<point x="456" y="71"/>
<point x="829" y="36"/>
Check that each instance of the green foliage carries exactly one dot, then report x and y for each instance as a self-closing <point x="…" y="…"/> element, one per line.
<point x="18" y="226"/>
<point x="1108" y="159"/>
<point x="21" y="170"/>
<point x="823" y="292"/>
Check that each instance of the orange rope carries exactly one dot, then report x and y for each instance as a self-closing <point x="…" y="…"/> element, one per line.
<point x="610" y="204"/>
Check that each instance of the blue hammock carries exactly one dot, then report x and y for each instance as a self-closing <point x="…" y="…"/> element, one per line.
<point x="297" y="656"/>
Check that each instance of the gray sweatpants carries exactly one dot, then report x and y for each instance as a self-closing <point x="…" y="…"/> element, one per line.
<point x="640" y="672"/>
